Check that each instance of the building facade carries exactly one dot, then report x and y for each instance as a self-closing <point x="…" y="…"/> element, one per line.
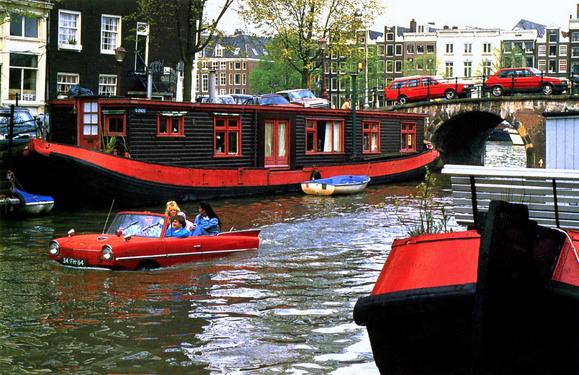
<point x="23" y="63"/>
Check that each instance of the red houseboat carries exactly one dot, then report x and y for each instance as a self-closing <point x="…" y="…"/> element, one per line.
<point x="501" y="298"/>
<point x="142" y="152"/>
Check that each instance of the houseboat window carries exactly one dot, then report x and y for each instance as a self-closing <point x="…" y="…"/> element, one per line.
<point x="408" y="137"/>
<point x="227" y="136"/>
<point x="90" y="118"/>
<point x="169" y="125"/>
<point x="114" y="124"/>
<point x="324" y="136"/>
<point x="371" y="137"/>
<point x="23" y="69"/>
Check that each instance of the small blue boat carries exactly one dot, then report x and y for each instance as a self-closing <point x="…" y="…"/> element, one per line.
<point x="32" y="204"/>
<point x="344" y="184"/>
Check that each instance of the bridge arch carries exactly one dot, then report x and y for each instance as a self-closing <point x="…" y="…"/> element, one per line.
<point x="461" y="139"/>
<point x="524" y="113"/>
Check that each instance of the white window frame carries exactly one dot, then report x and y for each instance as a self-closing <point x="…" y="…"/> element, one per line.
<point x="25" y="97"/>
<point x="218" y="51"/>
<point x="117" y="38"/>
<point x="67" y="80"/>
<point x="542" y="50"/>
<point x="77" y="34"/>
<point x="105" y="87"/>
<point x="562" y="65"/>
<point x="449" y="48"/>
<point x="468" y="48"/>
<point x="563" y="50"/>
<point x="23" y="26"/>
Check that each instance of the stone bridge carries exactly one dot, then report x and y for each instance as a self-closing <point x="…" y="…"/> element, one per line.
<point x="460" y="128"/>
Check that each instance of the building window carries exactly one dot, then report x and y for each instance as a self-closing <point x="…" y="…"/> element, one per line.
<point x="244" y="79"/>
<point x="380" y="66"/>
<point x="23" y="26"/>
<point x="449" y="69"/>
<point x="107" y="85"/>
<point x="552" y="50"/>
<point x="90" y="118"/>
<point x="170" y="124"/>
<point x="222" y="79"/>
<point x="110" y="33"/>
<point x="398" y="50"/>
<point x="69" y="29"/>
<point x="420" y="49"/>
<point x="541" y="65"/>
<point x="468" y="69"/>
<point x="529" y="47"/>
<point x="410" y="48"/>
<point x="204" y="82"/>
<point x="487" y="68"/>
<point x="223" y="65"/>
<point x="389" y="66"/>
<point x="562" y="50"/>
<point x="237" y="79"/>
<point x="562" y="66"/>
<point x="218" y="51"/>
<point x="398" y="66"/>
<point x="324" y="136"/>
<point x="575" y="36"/>
<point x="238" y="65"/>
<point x="227" y="136"/>
<point x="542" y="50"/>
<point x="553" y="37"/>
<point x="22" y="81"/>
<point x="370" y="137"/>
<point x="487" y="48"/>
<point x="390" y="37"/>
<point x="244" y="65"/>
<point x="430" y="49"/>
<point x="468" y="48"/>
<point x="552" y="66"/>
<point x="114" y="125"/>
<point x="407" y="137"/>
<point x="390" y="50"/>
<point x="381" y="49"/>
<point x="449" y="48"/>
<point x="65" y="81"/>
<point x="574" y="51"/>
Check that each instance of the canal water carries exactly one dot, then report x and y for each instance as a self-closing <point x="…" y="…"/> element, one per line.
<point x="286" y="308"/>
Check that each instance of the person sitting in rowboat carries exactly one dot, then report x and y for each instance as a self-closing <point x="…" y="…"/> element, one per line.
<point x="207" y="222"/>
<point x="177" y="228"/>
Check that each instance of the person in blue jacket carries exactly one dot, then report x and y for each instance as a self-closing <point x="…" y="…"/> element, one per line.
<point x="177" y="228"/>
<point x="207" y="222"/>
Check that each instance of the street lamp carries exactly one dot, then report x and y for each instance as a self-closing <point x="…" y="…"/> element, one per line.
<point x="120" y="54"/>
<point x="323" y="44"/>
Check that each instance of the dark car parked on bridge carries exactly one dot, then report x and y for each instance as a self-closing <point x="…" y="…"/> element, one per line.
<point x="416" y="88"/>
<point x="512" y="80"/>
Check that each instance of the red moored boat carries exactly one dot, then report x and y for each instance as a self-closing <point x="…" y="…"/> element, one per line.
<point x="457" y="303"/>
<point x="144" y="152"/>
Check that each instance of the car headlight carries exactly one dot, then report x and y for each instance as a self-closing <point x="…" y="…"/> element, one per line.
<point x="107" y="252"/>
<point x="54" y="248"/>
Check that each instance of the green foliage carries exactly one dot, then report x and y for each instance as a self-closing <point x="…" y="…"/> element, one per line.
<point x="272" y="76"/>
<point x="421" y="64"/>
<point x="432" y="217"/>
<point x="300" y="24"/>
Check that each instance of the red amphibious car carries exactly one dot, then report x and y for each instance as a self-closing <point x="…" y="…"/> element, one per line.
<point x="136" y="240"/>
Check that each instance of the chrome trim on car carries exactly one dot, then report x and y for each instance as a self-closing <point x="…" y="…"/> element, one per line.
<point x="184" y="254"/>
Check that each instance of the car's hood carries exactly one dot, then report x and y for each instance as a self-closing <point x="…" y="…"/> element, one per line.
<point x="96" y="241"/>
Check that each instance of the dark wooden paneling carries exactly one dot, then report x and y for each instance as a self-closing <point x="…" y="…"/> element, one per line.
<point x="63" y="125"/>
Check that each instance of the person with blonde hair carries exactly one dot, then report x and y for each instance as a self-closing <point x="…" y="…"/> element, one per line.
<point x="172" y="209"/>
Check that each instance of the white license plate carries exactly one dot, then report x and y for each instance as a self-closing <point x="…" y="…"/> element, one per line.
<point x="73" y="262"/>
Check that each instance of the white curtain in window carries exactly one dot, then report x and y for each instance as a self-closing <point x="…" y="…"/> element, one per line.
<point x="281" y="151"/>
<point x="268" y="139"/>
<point x="66" y="28"/>
<point x="328" y="137"/>
<point x="337" y="136"/>
<point x="374" y="146"/>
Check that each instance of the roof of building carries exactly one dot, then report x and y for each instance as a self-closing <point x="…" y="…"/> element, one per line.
<point x="528" y="25"/>
<point x="239" y="45"/>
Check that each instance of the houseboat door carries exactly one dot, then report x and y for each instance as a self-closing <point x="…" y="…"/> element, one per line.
<point x="276" y="143"/>
<point x="88" y="124"/>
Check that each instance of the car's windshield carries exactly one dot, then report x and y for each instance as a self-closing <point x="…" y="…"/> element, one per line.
<point x="21" y="119"/>
<point x="271" y="100"/>
<point x="535" y="71"/>
<point x="137" y="225"/>
<point x="300" y="94"/>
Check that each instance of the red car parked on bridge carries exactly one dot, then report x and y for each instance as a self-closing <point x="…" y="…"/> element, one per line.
<point x="416" y="88"/>
<point x="511" y="80"/>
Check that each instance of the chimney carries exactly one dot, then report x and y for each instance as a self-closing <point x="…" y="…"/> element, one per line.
<point x="413" y="26"/>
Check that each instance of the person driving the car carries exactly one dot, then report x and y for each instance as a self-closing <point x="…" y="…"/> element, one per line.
<point x="177" y="228"/>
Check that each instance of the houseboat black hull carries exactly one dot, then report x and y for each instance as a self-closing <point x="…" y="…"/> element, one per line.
<point x="454" y="303"/>
<point x="80" y="177"/>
